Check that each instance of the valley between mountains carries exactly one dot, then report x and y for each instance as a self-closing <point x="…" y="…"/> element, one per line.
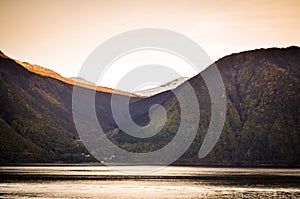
<point x="262" y="125"/>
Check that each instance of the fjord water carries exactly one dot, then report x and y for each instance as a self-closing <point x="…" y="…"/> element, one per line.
<point x="170" y="182"/>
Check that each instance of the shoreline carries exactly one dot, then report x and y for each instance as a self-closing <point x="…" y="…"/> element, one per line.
<point x="85" y="164"/>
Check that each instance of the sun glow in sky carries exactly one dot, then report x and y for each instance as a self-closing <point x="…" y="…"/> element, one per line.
<point x="60" y="34"/>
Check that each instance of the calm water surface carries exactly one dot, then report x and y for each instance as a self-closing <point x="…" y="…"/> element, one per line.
<point x="170" y="182"/>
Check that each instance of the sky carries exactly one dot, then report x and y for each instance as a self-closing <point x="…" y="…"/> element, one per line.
<point x="60" y="34"/>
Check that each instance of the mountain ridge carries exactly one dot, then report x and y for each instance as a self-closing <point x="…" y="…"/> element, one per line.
<point x="261" y="127"/>
<point x="50" y="73"/>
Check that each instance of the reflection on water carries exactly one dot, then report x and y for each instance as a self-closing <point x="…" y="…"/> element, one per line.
<point x="170" y="182"/>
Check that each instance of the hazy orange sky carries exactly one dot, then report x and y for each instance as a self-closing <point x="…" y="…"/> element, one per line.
<point x="60" y="34"/>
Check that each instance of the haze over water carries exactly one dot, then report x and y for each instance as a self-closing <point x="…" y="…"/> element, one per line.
<point x="170" y="182"/>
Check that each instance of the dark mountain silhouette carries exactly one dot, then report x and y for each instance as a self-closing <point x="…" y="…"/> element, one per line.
<point x="36" y="115"/>
<point x="262" y="122"/>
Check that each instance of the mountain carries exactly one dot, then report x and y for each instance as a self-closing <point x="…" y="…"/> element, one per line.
<point x="167" y="86"/>
<point x="36" y="114"/>
<point x="261" y="126"/>
<point x="81" y="80"/>
<point x="73" y="81"/>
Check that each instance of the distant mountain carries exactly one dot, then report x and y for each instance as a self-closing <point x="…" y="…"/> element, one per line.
<point x="262" y="123"/>
<point x="167" y="86"/>
<point x="81" y="80"/>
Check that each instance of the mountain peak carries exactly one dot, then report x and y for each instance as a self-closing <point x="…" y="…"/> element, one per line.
<point x="3" y="55"/>
<point x="165" y="87"/>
